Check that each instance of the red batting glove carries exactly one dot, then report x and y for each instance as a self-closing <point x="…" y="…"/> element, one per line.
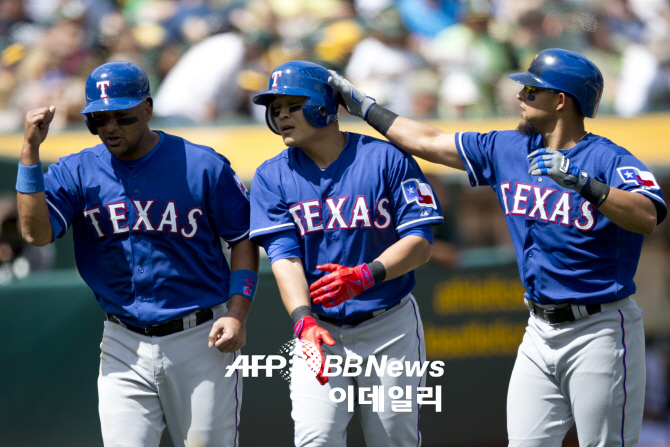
<point x="341" y="284"/>
<point x="307" y="329"/>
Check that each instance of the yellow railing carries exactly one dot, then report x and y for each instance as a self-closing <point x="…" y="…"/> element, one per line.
<point x="647" y="137"/>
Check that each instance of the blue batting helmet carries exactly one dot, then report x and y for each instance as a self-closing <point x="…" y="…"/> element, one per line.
<point x="568" y="72"/>
<point x="114" y="86"/>
<point x="301" y="78"/>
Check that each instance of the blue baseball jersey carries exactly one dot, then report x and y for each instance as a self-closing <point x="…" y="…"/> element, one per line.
<point x="147" y="232"/>
<point x="566" y="250"/>
<point x="347" y="214"/>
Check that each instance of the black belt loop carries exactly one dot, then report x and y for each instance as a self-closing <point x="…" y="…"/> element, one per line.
<point x="357" y="320"/>
<point x="167" y="328"/>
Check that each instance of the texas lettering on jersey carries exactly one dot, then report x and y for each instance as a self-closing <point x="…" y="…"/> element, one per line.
<point x="547" y="205"/>
<point x="308" y="216"/>
<point x="112" y="219"/>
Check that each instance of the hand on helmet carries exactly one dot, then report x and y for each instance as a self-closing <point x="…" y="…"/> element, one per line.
<point x="355" y="101"/>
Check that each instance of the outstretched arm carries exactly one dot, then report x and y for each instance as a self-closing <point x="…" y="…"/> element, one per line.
<point x="415" y="138"/>
<point x="32" y="204"/>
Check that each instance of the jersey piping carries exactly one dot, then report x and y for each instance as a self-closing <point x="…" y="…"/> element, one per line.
<point x="263" y="230"/>
<point x="237" y="238"/>
<point x="418" y="220"/>
<point x="465" y="157"/>
<point x="65" y="225"/>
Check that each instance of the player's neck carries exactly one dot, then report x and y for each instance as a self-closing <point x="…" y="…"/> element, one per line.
<point x="326" y="148"/>
<point x="564" y="135"/>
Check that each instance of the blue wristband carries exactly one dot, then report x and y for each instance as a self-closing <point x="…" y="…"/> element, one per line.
<point x="243" y="282"/>
<point x="30" y="179"/>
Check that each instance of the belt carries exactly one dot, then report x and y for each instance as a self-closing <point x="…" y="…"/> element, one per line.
<point x="570" y="312"/>
<point x="357" y="320"/>
<point x="167" y="328"/>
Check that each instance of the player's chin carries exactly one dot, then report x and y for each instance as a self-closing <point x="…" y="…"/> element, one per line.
<point x="118" y="148"/>
<point x="290" y="141"/>
<point x="525" y="127"/>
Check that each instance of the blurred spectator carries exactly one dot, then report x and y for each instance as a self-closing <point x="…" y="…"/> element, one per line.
<point x="645" y="68"/>
<point x="422" y="58"/>
<point x="470" y="61"/>
<point x="201" y="86"/>
<point x="426" y="18"/>
<point x="17" y="257"/>
<point x="382" y="64"/>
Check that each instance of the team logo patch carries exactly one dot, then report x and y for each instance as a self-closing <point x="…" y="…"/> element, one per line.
<point x="632" y="174"/>
<point x="421" y="193"/>
<point x="241" y="185"/>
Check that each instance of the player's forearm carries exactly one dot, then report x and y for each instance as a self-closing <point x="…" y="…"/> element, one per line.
<point x="244" y="256"/>
<point x="292" y="283"/>
<point x="239" y="308"/>
<point x="33" y="209"/>
<point x="405" y="255"/>
<point x="34" y="218"/>
<point x="630" y="211"/>
<point x="425" y="141"/>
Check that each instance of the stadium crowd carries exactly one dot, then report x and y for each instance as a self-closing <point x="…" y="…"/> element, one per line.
<point x="421" y="58"/>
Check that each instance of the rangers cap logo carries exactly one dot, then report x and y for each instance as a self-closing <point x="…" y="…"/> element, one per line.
<point x="276" y="75"/>
<point x="102" y="85"/>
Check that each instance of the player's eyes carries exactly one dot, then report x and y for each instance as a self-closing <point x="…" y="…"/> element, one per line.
<point x="292" y="108"/>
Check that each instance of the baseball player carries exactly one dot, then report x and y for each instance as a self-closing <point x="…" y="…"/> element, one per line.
<point x="148" y="212"/>
<point x="577" y="207"/>
<point x="352" y="217"/>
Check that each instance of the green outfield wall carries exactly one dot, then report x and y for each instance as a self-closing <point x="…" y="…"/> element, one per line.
<point x="52" y="327"/>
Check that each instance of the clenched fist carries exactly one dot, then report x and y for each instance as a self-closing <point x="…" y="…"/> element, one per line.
<point x="36" y="130"/>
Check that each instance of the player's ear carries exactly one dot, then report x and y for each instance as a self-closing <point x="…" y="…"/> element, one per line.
<point x="148" y="109"/>
<point x="561" y="101"/>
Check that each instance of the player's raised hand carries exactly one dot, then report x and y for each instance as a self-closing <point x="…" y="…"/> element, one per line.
<point x="355" y="101"/>
<point x="557" y="166"/>
<point x="307" y="329"/>
<point x="228" y="334"/>
<point x="342" y="284"/>
<point x="37" y="126"/>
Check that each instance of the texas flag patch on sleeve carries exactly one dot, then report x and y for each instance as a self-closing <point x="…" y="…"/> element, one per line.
<point x="421" y="193"/>
<point x="631" y="174"/>
<point x="241" y="185"/>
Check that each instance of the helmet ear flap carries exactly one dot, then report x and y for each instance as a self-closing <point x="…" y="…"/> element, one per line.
<point x="270" y="120"/>
<point x="88" y="119"/>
